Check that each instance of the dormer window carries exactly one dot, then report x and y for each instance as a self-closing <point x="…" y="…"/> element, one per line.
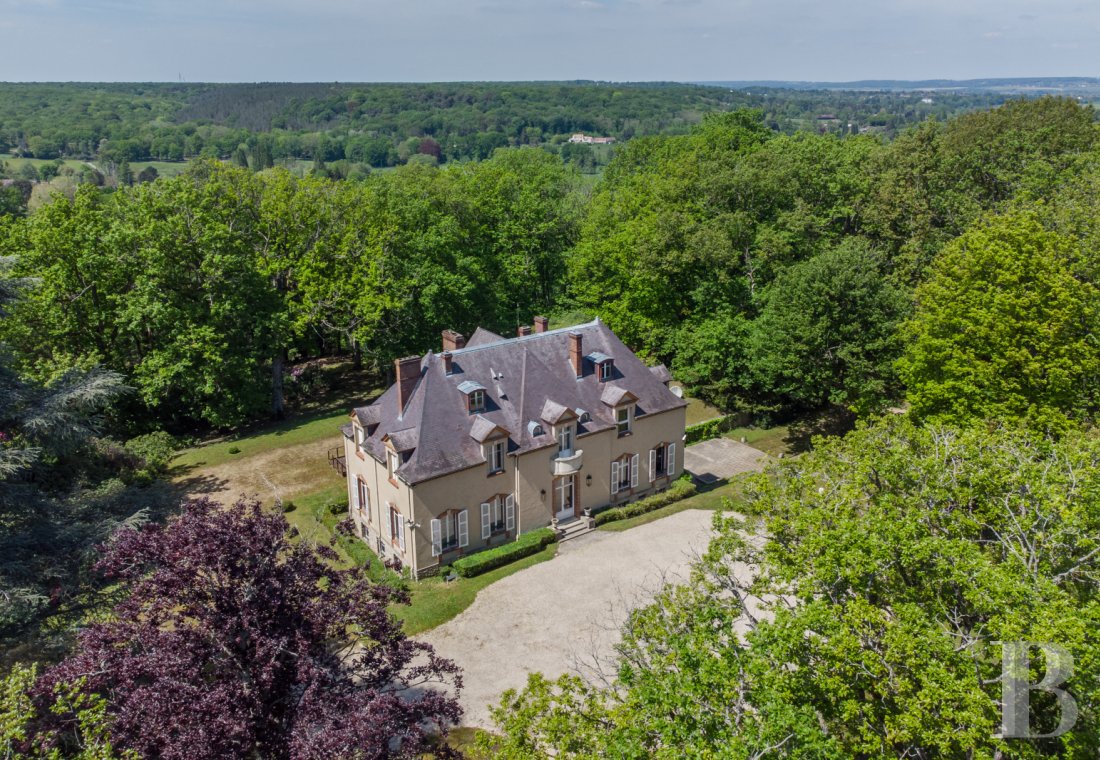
<point x="393" y="461"/>
<point x="360" y="437"/>
<point x="475" y="396"/>
<point x="495" y="456"/>
<point x="624" y="419"/>
<point x="605" y="365"/>
<point x="565" y="440"/>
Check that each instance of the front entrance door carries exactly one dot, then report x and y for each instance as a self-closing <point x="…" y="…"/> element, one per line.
<point x="563" y="497"/>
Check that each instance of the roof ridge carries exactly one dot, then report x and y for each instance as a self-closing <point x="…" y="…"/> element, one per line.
<point x="525" y="338"/>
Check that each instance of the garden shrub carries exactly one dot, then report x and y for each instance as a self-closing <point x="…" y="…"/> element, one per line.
<point x="153" y="450"/>
<point x="490" y="559"/>
<point x="681" y="489"/>
<point x="714" y="428"/>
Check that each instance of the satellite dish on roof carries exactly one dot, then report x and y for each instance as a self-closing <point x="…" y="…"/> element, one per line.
<point x="677" y="391"/>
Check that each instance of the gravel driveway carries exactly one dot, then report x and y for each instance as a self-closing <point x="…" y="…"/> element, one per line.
<point x="559" y="615"/>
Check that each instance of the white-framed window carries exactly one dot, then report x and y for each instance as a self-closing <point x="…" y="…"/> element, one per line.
<point x="397" y="528"/>
<point x="477" y="400"/>
<point x="624" y="473"/>
<point x="362" y="497"/>
<point x="498" y="514"/>
<point x="624" y="419"/>
<point x="450" y="531"/>
<point x="565" y="440"/>
<point x="662" y="461"/>
<point x="607" y="369"/>
<point x="563" y="494"/>
<point x="393" y="461"/>
<point x="495" y="456"/>
<point x="360" y="438"/>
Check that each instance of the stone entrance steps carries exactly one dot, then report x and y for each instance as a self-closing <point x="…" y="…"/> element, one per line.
<point x="575" y="528"/>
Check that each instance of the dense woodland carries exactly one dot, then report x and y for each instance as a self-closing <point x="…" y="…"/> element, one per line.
<point x="380" y="125"/>
<point x="952" y="271"/>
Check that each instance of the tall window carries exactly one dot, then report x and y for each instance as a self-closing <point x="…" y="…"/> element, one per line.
<point x="563" y="494"/>
<point x="565" y="440"/>
<point x="496" y="456"/>
<point x="450" y="530"/>
<point x="662" y="461"/>
<point x="397" y="528"/>
<point x="449" y="525"/>
<point x="624" y="416"/>
<point x="606" y="370"/>
<point x="496" y="514"/>
<point x="624" y="473"/>
<point x="393" y="462"/>
<point x="360" y="436"/>
<point x="364" y="498"/>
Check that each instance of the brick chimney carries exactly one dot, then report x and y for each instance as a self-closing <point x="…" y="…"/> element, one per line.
<point x="523" y="330"/>
<point x="448" y="363"/>
<point x="542" y="324"/>
<point x="452" y="341"/>
<point x="576" y="355"/>
<point x="408" y="372"/>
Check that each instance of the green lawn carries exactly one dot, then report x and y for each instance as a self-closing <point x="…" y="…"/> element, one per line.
<point x="699" y="410"/>
<point x="773" y="441"/>
<point x="435" y="601"/>
<point x="277" y="435"/>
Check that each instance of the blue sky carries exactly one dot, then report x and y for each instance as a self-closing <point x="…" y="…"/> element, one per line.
<point x="448" y="40"/>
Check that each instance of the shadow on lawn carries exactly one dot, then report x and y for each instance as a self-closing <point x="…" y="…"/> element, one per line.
<point x="186" y="485"/>
<point x="835" y="421"/>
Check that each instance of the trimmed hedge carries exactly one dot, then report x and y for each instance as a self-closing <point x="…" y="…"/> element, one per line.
<point x="490" y="559"/>
<point x="681" y="489"/>
<point x="704" y="431"/>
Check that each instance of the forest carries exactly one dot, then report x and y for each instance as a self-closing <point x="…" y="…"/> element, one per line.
<point x="950" y="273"/>
<point x="382" y="125"/>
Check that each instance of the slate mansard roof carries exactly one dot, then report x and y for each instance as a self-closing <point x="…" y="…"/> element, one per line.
<point x="524" y="378"/>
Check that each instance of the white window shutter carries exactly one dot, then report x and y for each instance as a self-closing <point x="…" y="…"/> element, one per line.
<point x="486" y="522"/>
<point x="670" y="460"/>
<point x="652" y="465"/>
<point x="463" y="528"/>
<point x="510" y="511"/>
<point x="614" y="477"/>
<point x="437" y="538"/>
<point x="634" y="471"/>
<point x="355" y="493"/>
<point x="401" y="531"/>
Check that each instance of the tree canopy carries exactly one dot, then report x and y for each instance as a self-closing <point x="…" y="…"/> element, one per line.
<point x="869" y="622"/>
<point x="1004" y="329"/>
<point x="234" y="641"/>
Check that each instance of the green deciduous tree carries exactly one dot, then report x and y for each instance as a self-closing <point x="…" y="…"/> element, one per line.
<point x="827" y="334"/>
<point x="867" y="623"/>
<point x="1005" y="328"/>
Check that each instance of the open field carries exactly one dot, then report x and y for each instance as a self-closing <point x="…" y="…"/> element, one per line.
<point x="164" y="168"/>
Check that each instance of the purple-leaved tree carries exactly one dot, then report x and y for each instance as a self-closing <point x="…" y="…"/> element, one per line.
<point x="236" y="642"/>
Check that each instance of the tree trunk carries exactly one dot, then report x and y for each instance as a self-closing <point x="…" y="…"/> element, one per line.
<point x="356" y="354"/>
<point x="278" y="396"/>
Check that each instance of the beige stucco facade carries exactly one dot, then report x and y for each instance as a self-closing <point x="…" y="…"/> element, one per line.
<point x="423" y="526"/>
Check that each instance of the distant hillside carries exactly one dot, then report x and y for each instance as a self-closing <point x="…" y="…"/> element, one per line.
<point x="1027" y="85"/>
<point x="346" y="127"/>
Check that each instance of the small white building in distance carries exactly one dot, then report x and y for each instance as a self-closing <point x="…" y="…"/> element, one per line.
<point x="581" y="137"/>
